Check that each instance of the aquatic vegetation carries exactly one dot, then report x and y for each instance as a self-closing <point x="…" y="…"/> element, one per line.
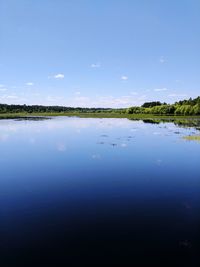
<point x="192" y="138"/>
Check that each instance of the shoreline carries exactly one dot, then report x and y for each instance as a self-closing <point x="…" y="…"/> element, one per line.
<point x="96" y="115"/>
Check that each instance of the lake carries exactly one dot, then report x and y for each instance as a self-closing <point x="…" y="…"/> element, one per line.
<point x="99" y="192"/>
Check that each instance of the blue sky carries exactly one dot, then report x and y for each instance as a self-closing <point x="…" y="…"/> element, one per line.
<point x="102" y="53"/>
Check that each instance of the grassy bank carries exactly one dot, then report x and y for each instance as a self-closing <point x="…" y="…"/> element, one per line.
<point x="96" y="115"/>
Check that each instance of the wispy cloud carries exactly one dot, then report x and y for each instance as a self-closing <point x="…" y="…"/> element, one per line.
<point x="108" y="101"/>
<point x="162" y="60"/>
<point x="83" y="101"/>
<point x="77" y="93"/>
<point x="29" y="84"/>
<point x="2" y="85"/>
<point x="134" y="93"/>
<point x="179" y="81"/>
<point x="3" y="89"/>
<point x="54" y="98"/>
<point x="95" y="65"/>
<point x="58" y="76"/>
<point x="124" y="78"/>
<point x="160" y="89"/>
<point x="12" y="97"/>
<point x="177" y="95"/>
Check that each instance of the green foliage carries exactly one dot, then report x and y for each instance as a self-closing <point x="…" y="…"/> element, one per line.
<point x="152" y="104"/>
<point x="185" y="107"/>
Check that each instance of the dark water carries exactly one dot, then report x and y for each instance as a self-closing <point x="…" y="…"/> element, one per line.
<point x="98" y="192"/>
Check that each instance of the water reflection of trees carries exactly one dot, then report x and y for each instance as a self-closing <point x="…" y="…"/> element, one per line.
<point x="179" y="122"/>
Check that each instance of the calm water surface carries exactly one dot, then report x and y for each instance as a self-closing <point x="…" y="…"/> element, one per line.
<point x="98" y="192"/>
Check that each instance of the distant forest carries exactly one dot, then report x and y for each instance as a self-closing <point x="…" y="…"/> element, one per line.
<point x="184" y="107"/>
<point x="4" y="108"/>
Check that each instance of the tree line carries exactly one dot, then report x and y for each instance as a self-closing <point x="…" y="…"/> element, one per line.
<point x="5" y="108"/>
<point x="184" y="107"/>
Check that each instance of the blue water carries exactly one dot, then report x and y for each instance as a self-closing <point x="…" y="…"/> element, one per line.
<point x="98" y="192"/>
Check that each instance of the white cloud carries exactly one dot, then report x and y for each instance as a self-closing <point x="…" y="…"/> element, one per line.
<point x="133" y="93"/>
<point x="82" y="101"/>
<point x="117" y="102"/>
<point x="8" y="97"/>
<point x="36" y="94"/>
<point x="11" y="97"/>
<point x="160" y="89"/>
<point x="162" y="60"/>
<point x="54" y="98"/>
<point x="179" y="81"/>
<point x="124" y="78"/>
<point x="142" y="97"/>
<point x="77" y="93"/>
<point x="59" y="76"/>
<point x="29" y="84"/>
<point x="177" y="95"/>
<point x="95" y="65"/>
<point x="2" y="85"/>
<point x="3" y="89"/>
